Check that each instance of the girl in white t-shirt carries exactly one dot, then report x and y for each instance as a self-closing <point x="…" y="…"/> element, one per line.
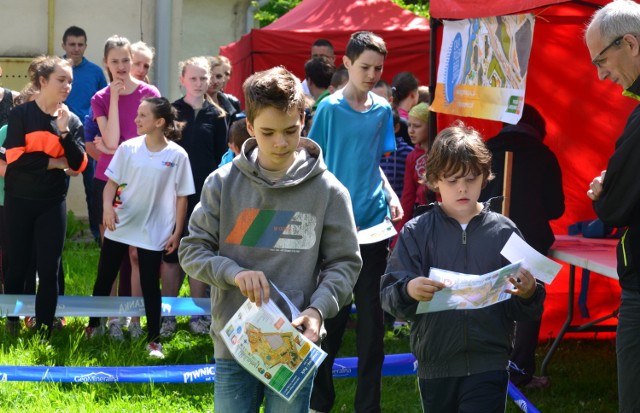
<point x="145" y="206"/>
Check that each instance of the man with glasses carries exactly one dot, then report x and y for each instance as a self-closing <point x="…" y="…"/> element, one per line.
<point x="614" y="45"/>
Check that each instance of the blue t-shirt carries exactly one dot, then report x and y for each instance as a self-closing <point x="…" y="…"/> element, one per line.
<point x="88" y="78"/>
<point x="352" y="144"/>
<point x="226" y="158"/>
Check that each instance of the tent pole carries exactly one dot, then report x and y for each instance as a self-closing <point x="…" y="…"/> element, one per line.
<point x="433" y="76"/>
<point x="506" y="183"/>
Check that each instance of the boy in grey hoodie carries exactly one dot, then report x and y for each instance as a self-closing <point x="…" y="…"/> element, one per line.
<point x="275" y="214"/>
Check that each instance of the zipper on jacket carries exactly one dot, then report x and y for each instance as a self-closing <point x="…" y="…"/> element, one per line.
<point x="464" y="245"/>
<point x="624" y="250"/>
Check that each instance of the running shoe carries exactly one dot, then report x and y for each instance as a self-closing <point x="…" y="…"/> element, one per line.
<point x="168" y="327"/>
<point x="135" y="331"/>
<point x="29" y="322"/>
<point x="199" y="325"/>
<point x="155" y="350"/>
<point x="115" y="331"/>
<point x="91" y="332"/>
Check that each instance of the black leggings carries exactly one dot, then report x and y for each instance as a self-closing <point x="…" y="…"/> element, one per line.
<point x="111" y="256"/>
<point x="41" y="225"/>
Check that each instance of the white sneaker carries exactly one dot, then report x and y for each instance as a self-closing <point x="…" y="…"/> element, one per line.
<point x="168" y="327"/>
<point x="155" y="350"/>
<point x="199" y="325"/>
<point x="135" y="331"/>
<point x="115" y="331"/>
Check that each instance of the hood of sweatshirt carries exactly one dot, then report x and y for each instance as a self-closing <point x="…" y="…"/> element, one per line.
<point x="308" y="164"/>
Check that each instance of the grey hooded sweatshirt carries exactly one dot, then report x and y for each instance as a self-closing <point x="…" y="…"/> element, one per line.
<point x="299" y="231"/>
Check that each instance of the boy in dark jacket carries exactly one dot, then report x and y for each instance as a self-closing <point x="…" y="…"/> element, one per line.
<point x="462" y="354"/>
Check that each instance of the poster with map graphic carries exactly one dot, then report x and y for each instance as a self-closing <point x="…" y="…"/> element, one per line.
<point x="468" y="291"/>
<point x="263" y="341"/>
<point x="482" y="72"/>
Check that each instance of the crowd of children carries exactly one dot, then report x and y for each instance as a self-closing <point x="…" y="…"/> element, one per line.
<point x="183" y="187"/>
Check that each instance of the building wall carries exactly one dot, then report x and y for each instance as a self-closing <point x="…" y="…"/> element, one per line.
<point x="34" y="27"/>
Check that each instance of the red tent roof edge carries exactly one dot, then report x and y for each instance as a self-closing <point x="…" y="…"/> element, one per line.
<point x="464" y="9"/>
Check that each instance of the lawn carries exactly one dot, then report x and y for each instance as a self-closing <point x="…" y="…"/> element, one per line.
<point x="582" y="371"/>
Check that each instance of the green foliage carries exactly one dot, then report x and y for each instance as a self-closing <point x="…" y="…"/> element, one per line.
<point x="272" y="10"/>
<point x="583" y="372"/>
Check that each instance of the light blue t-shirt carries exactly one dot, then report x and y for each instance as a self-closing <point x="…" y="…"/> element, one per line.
<point x="226" y="158"/>
<point x="352" y="144"/>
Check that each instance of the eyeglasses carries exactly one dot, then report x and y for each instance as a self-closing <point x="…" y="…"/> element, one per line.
<point x="617" y="41"/>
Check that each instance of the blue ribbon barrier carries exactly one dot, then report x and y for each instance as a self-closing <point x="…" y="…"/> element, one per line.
<point x="394" y="365"/>
<point x="518" y="398"/>
<point x="81" y="306"/>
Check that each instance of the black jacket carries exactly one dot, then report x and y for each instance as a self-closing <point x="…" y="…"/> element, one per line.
<point x="455" y="343"/>
<point x="204" y="137"/>
<point x="536" y="184"/>
<point x="619" y="202"/>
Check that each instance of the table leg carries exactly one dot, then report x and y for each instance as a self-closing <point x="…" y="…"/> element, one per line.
<point x="567" y="323"/>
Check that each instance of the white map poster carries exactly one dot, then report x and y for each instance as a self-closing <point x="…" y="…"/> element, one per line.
<point x="482" y="71"/>
<point x="468" y="291"/>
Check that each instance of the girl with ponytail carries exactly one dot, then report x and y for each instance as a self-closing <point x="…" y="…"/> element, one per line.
<point x="145" y="204"/>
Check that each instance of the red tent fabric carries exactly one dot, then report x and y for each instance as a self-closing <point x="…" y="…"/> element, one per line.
<point x="584" y="116"/>
<point x="288" y="40"/>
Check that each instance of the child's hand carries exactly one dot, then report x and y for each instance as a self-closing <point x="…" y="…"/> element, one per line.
<point x="110" y="218"/>
<point x="251" y="283"/>
<point x="311" y="323"/>
<point x="173" y="243"/>
<point x="62" y="117"/>
<point x="524" y="282"/>
<point x="423" y="288"/>
<point x="116" y="87"/>
<point x="396" y="209"/>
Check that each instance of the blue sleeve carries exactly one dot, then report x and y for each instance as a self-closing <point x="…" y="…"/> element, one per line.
<point x="318" y="132"/>
<point x="102" y="81"/>
<point x="390" y="136"/>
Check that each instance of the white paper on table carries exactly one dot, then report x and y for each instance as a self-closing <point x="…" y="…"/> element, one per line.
<point x="469" y="291"/>
<point x="380" y="232"/>
<point x="541" y="267"/>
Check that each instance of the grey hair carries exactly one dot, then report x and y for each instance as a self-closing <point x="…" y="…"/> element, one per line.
<point x="616" y="19"/>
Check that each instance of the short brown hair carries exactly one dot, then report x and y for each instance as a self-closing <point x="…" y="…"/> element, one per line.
<point x="361" y="41"/>
<point x="458" y="149"/>
<point x="275" y="87"/>
<point x="238" y="132"/>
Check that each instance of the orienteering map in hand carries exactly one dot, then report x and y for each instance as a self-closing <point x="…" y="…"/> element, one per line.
<point x="467" y="291"/>
<point x="264" y="342"/>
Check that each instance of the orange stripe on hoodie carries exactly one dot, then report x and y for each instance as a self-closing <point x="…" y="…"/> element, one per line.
<point x="243" y="222"/>
<point x="39" y="141"/>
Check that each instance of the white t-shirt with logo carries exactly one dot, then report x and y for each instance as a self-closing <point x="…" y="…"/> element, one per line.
<point x="148" y="184"/>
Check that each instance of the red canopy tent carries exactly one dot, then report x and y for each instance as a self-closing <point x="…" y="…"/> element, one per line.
<point x="584" y="116"/>
<point x="288" y="40"/>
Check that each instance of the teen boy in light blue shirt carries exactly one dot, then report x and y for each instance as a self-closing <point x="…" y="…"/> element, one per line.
<point x="354" y="127"/>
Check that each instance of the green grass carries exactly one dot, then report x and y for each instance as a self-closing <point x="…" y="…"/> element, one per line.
<point x="582" y="372"/>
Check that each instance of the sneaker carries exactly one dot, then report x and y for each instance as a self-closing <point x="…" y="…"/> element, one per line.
<point x="538" y="382"/>
<point x="125" y="321"/>
<point x="155" y="350"/>
<point x="135" y="331"/>
<point x="115" y="331"/>
<point x="91" y="332"/>
<point x="199" y="325"/>
<point x="13" y="327"/>
<point x="29" y="322"/>
<point x="168" y="327"/>
<point x="59" y="323"/>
